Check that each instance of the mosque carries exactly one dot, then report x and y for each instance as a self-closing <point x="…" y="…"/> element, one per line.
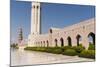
<point x="68" y="36"/>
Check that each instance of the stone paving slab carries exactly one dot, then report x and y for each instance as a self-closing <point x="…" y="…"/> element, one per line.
<point x="21" y="57"/>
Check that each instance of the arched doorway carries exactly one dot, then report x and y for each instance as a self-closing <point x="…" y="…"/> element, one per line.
<point x="62" y="41"/>
<point x="47" y="43"/>
<point x="91" y="37"/>
<point x="69" y="41"/>
<point x="44" y="43"/>
<point x="41" y="43"/>
<point x="79" y="39"/>
<point x="56" y="42"/>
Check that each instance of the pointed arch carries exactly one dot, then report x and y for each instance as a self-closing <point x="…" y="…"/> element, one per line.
<point x="56" y="42"/>
<point x="91" y="37"/>
<point x="69" y="41"/>
<point x="62" y="41"/>
<point x="47" y="43"/>
<point x="78" y="38"/>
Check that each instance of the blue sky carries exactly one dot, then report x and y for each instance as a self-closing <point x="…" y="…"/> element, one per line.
<point x="52" y="15"/>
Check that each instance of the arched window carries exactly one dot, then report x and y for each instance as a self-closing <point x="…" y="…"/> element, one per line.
<point x="69" y="41"/>
<point x="91" y="37"/>
<point x="37" y="7"/>
<point x="50" y="30"/>
<point x="34" y="6"/>
<point x="79" y="39"/>
<point x="62" y="41"/>
<point x="56" y="42"/>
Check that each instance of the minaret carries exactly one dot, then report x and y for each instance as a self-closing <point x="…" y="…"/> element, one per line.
<point x="20" y="35"/>
<point x="35" y="18"/>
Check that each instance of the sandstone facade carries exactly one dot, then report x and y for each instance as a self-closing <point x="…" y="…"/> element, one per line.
<point x="72" y="35"/>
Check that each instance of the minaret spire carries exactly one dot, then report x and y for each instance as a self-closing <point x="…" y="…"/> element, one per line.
<point x="35" y="18"/>
<point x="20" y="35"/>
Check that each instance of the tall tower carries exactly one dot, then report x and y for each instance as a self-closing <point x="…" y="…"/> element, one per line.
<point x="20" y="35"/>
<point x="35" y="18"/>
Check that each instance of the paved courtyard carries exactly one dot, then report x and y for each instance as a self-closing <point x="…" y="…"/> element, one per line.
<point x="21" y="57"/>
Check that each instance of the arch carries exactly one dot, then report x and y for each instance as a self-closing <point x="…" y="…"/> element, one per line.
<point x="36" y="42"/>
<point x="41" y="43"/>
<point x="62" y="41"/>
<point x="69" y="41"/>
<point x="78" y="38"/>
<point x="37" y="7"/>
<point x="47" y="43"/>
<point x="56" y="42"/>
<point x="91" y="37"/>
<point x="34" y="6"/>
<point x="44" y="43"/>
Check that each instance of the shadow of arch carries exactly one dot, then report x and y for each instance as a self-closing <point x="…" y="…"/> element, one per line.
<point x="69" y="41"/>
<point x="78" y="37"/>
<point x="47" y="43"/>
<point x="41" y="43"/>
<point x="62" y="42"/>
<point x="56" y="42"/>
<point x="91" y="37"/>
<point x="44" y="43"/>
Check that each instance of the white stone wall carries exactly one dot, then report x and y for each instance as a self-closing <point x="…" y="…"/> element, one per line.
<point x="82" y="28"/>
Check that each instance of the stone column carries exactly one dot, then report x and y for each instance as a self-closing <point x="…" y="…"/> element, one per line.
<point x="85" y="41"/>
